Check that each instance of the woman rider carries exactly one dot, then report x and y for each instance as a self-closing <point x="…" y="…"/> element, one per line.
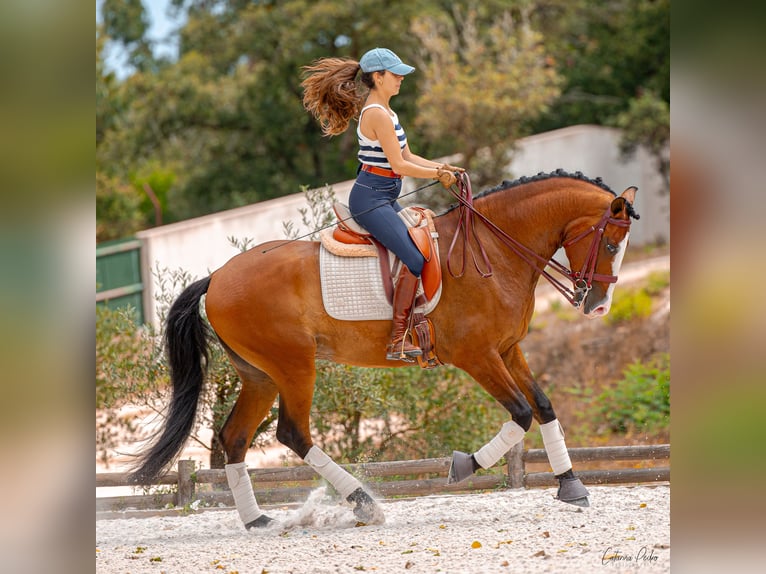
<point x="331" y="95"/>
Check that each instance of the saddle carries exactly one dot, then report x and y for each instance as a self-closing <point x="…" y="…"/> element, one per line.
<point x="356" y="241"/>
<point x="349" y="239"/>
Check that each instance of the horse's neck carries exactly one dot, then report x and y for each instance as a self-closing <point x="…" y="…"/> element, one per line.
<point x="535" y="221"/>
<point x="537" y="217"/>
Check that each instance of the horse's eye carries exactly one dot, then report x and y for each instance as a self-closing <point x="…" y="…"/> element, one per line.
<point x="612" y="248"/>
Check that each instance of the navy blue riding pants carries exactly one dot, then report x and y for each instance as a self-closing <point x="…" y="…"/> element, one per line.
<point x="373" y="204"/>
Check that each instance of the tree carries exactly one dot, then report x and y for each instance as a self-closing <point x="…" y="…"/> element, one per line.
<point x="646" y="123"/>
<point x="126" y="22"/>
<point x="481" y="82"/>
<point x="117" y="209"/>
<point x="608" y="54"/>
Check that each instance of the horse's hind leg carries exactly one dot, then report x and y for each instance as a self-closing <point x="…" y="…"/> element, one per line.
<point x="571" y="488"/>
<point x="293" y="430"/>
<point x="253" y="404"/>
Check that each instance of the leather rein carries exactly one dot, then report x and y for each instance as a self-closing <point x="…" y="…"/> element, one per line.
<point x="582" y="280"/>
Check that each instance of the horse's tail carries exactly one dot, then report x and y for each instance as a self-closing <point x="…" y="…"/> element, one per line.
<point x="186" y="347"/>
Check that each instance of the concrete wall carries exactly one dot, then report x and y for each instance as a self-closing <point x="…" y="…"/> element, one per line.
<point x="200" y="245"/>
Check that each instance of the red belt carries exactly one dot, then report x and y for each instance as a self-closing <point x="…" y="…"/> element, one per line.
<point x="381" y="171"/>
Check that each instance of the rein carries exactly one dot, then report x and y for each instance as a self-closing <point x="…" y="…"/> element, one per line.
<point x="582" y="280"/>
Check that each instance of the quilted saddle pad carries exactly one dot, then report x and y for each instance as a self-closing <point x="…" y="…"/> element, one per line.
<point x="352" y="289"/>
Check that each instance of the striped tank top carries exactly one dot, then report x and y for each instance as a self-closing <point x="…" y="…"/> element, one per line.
<point x="370" y="151"/>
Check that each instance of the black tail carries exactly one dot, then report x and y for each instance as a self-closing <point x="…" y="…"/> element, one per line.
<point x="186" y="347"/>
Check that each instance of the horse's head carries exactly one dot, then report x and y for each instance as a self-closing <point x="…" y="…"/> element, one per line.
<point x="595" y="254"/>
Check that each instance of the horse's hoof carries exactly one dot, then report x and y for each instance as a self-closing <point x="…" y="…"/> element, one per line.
<point x="260" y="522"/>
<point x="581" y="502"/>
<point x="572" y="491"/>
<point x="460" y="468"/>
<point x="366" y="510"/>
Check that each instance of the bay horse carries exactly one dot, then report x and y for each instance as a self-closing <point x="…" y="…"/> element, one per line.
<point x="265" y="307"/>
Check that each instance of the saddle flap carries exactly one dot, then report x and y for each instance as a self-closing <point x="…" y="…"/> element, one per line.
<point x="432" y="271"/>
<point x="422" y="239"/>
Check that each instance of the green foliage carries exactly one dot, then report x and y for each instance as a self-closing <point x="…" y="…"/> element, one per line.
<point x="124" y="357"/>
<point x="657" y="281"/>
<point x="629" y="305"/>
<point x="317" y="215"/>
<point x="640" y="402"/>
<point x="482" y="75"/>
<point x="126" y="369"/>
<point x="127" y="22"/>
<point x="646" y="123"/>
<point x="154" y="180"/>
<point x="608" y="54"/>
<point x="117" y="209"/>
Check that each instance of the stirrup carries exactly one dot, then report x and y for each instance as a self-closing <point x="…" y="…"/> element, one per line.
<point x="395" y="352"/>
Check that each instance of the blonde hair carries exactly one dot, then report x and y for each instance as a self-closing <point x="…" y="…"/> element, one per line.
<point x="331" y="93"/>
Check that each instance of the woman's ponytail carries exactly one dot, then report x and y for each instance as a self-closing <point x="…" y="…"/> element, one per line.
<point x="330" y="93"/>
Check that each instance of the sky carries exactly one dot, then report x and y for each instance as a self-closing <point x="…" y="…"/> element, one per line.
<point x="161" y="27"/>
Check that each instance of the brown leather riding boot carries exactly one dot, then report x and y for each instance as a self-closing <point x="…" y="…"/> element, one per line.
<point x="405" y="289"/>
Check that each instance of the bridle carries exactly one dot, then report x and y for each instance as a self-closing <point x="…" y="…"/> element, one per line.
<point x="582" y="280"/>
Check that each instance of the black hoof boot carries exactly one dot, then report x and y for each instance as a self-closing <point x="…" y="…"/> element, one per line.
<point x="260" y="522"/>
<point x="366" y="509"/>
<point x="460" y="468"/>
<point x="572" y="491"/>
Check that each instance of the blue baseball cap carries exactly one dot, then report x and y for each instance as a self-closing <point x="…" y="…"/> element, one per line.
<point x="379" y="59"/>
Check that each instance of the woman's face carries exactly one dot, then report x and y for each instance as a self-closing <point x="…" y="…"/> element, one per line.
<point x="390" y="82"/>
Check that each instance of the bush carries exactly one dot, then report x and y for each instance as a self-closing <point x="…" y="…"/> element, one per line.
<point x="641" y="400"/>
<point x="630" y="305"/>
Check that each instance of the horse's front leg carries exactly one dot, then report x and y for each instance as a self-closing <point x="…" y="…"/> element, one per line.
<point x="571" y="488"/>
<point x="493" y="375"/>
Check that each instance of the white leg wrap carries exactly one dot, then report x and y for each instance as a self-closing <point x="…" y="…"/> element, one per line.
<point x="343" y="482"/>
<point x="555" y="448"/>
<point x="494" y="450"/>
<point x="242" y="489"/>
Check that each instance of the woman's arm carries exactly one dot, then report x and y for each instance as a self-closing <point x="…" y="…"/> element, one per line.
<point x="416" y="159"/>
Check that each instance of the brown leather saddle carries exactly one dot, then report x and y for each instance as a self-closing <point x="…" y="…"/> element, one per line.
<point x="423" y="233"/>
<point x="420" y="226"/>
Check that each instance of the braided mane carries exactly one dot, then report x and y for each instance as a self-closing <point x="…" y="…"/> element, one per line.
<point x="541" y="176"/>
<point x="506" y="184"/>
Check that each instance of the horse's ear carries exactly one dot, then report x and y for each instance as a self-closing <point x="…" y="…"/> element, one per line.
<point x="620" y="204"/>
<point x="630" y="194"/>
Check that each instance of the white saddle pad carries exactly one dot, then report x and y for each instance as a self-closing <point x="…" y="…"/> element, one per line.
<point x="352" y="289"/>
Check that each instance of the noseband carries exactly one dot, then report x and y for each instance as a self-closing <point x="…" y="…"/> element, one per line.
<point x="582" y="280"/>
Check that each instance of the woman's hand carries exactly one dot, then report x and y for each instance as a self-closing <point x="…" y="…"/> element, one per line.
<point x="446" y="177"/>
<point x="453" y="168"/>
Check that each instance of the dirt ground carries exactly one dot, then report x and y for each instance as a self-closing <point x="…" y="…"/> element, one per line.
<point x="626" y="529"/>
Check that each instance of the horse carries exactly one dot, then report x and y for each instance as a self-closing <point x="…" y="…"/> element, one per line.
<point x="265" y="308"/>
